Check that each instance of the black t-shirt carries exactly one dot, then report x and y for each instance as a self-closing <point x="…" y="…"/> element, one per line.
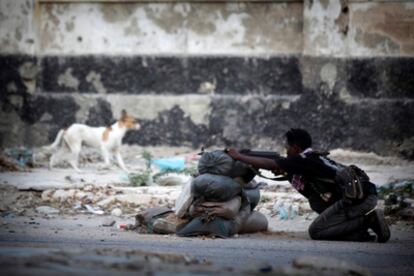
<point x="317" y="172"/>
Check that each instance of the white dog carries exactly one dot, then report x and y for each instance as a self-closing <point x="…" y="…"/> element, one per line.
<point x="108" y="139"/>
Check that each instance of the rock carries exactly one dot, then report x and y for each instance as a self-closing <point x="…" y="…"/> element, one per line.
<point x="108" y="222"/>
<point x="47" y="210"/>
<point x="116" y="212"/>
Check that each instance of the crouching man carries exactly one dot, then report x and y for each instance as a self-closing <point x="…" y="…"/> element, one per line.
<point x="343" y="196"/>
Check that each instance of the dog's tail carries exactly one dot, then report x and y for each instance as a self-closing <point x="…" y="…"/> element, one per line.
<point x="57" y="141"/>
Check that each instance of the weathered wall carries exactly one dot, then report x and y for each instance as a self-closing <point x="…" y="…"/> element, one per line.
<point x="204" y="73"/>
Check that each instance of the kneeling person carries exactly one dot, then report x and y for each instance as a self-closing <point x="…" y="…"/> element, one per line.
<point x="315" y="176"/>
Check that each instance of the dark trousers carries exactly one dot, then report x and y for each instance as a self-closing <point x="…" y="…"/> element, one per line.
<point x="341" y="222"/>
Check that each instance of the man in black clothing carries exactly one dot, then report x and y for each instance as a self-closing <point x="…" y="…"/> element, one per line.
<point x="313" y="174"/>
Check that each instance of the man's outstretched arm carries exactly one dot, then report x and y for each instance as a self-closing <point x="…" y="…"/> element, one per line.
<point x="257" y="162"/>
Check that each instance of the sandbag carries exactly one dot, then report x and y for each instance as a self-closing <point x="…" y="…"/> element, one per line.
<point x="158" y="220"/>
<point x="227" y="210"/>
<point x="253" y="196"/>
<point x="218" y="227"/>
<point x="148" y="214"/>
<point x="167" y="224"/>
<point x="256" y="222"/>
<point x="216" y="188"/>
<point x="215" y="162"/>
<point x="242" y="170"/>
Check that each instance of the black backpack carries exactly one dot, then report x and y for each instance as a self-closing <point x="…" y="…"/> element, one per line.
<point x="353" y="182"/>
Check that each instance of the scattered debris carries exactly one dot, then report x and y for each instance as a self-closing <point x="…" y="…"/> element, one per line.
<point x="398" y="199"/>
<point x="8" y="164"/>
<point x="22" y="156"/>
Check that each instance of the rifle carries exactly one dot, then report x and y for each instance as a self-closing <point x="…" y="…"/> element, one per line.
<point x="274" y="155"/>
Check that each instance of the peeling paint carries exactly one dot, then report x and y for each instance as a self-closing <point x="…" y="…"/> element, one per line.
<point x="166" y="17"/>
<point x="343" y="19"/>
<point x="11" y="87"/>
<point x="95" y="79"/>
<point x="50" y="13"/>
<point x="376" y="41"/>
<point x="70" y="26"/>
<point x="28" y="71"/>
<point x="276" y="21"/>
<point x="113" y="13"/>
<point x="18" y="34"/>
<point x="385" y="28"/>
<point x="68" y="80"/>
<point x="328" y="74"/>
<point x="133" y="29"/>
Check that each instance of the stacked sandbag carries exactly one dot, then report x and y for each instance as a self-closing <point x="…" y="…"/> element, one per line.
<point x="221" y="205"/>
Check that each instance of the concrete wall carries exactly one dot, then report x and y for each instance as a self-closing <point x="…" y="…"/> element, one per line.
<point x="210" y="73"/>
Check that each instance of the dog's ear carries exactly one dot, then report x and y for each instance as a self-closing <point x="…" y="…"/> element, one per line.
<point x="123" y="114"/>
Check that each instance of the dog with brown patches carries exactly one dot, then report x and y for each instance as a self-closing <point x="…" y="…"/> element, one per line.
<point x="108" y="139"/>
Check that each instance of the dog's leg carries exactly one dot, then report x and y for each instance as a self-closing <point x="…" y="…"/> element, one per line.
<point x="120" y="161"/>
<point x="74" y="149"/>
<point x="56" y="157"/>
<point x="105" y="155"/>
<point x="52" y="161"/>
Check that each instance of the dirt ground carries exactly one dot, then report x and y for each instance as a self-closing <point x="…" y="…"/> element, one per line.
<point x="61" y="221"/>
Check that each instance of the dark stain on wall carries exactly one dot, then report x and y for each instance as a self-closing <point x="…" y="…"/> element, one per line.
<point x="175" y="75"/>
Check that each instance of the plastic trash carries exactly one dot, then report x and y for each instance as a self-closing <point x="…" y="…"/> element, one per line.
<point x="23" y="156"/>
<point x="93" y="210"/>
<point x="170" y="164"/>
<point x="283" y="213"/>
<point x="294" y="211"/>
<point x="184" y="200"/>
<point x="124" y="177"/>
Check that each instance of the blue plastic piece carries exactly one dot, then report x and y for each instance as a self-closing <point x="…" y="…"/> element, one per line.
<point x="170" y="164"/>
<point x="283" y="214"/>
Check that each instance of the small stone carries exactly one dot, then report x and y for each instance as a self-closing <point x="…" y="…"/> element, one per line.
<point x="108" y="223"/>
<point x="116" y="212"/>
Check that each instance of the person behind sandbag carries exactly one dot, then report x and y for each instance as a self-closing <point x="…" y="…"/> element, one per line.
<point x="343" y="196"/>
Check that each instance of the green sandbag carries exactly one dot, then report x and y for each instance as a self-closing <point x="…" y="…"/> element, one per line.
<point x="256" y="222"/>
<point x="220" y="163"/>
<point x="216" y="188"/>
<point x="215" y="162"/>
<point x="253" y="196"/>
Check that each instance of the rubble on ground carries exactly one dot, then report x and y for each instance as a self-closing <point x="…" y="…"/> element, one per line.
<point x="112" y="191"/>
